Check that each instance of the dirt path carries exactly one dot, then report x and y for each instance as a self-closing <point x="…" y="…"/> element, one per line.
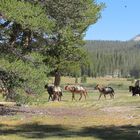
<point x="125" y="111"/>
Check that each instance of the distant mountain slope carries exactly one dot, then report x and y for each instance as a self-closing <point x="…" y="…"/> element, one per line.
<point x="136" y="38"/>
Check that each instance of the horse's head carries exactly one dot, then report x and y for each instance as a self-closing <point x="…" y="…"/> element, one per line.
<point x="66" y="87"/>
<point x="96" y="87"/>
<point x="46" y="86"/>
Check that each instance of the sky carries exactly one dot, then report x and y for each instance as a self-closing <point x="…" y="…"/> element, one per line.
<point x="120" y="20"/>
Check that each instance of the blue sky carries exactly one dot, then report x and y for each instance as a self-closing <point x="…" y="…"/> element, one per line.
<point x="120" y="21"/>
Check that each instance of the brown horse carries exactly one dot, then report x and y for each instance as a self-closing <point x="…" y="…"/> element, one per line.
<point x="76" y="90"/>
<point x="105" y="91"/>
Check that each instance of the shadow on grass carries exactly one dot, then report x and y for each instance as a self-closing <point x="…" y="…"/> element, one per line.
<point x="125" y="132"/>
<point x="36" y="130"/>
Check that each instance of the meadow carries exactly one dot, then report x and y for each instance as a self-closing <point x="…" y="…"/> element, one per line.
<point x="110" y="119"/>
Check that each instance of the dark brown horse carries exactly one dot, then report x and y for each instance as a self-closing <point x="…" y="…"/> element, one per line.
<point x="134" y="90"/>
<point x="105" y="91"/>
<point x="76" y="90"/>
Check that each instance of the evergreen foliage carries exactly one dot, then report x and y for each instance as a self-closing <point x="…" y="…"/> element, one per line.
<point x="72" y="18"/>
<point x="37" y="32"/>
<point x="20" y="57"/>
<point x="114" y="58"/>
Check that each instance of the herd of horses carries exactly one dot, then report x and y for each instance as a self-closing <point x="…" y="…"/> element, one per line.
<point x="56" y="93"/>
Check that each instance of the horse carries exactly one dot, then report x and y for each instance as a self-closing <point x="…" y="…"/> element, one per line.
<point x="134" y="90"/>
<point x="57" y="93"/>
<point x="76" y="90"/>
<point x="54" y="92"/>
<point x="105" y="91"/>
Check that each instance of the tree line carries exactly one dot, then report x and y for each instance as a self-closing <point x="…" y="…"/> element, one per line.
<point x="114" y="58"/>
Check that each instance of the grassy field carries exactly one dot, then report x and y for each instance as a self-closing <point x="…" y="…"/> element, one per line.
<point x="117" y="119"/>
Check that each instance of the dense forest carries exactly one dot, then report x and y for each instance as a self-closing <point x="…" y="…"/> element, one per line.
<point x="113" y="58"/>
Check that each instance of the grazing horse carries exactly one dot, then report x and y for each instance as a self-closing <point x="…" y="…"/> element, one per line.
<point x="57" y="93"/>
<point x="105" y="91"/>
<point x="134" y="90"/>
<point x="54" y="92"/>
<point x="76" y="90"/>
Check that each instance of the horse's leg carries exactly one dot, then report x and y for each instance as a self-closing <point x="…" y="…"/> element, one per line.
<point x="112" y="95"/>
<point x="80" y="96"/>
<point x="133" y="94"/>
<point x="104" y="96"/>
<point x="73" y="97"/>
<point x="54" y="96"/>
<point x="100" y="96"/>
<point x="57" y="96"/>
<point x="84" y="93"/>
<point x="60" y="95"/>
<point x="49" y="97"/>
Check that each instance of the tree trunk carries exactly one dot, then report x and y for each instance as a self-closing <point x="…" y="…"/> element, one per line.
<point x="26" y="38"/>
<point x="57" y="79"/>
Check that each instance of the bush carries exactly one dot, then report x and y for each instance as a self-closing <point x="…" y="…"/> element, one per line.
<point x="34" y="76"/>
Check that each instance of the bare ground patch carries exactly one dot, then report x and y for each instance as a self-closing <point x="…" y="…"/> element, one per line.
<point x="28" y="111"/>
